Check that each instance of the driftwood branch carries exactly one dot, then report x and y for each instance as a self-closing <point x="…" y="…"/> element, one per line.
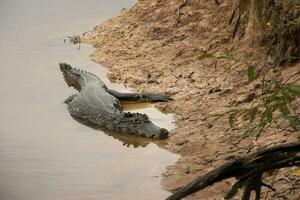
<point x="248" y="171"/>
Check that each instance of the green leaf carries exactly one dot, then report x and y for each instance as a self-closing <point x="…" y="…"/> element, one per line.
<point x="227" y="53"/>
<point x="294" y="89"/>
<point x="284" y="109"/>
<point x="252" y="113"/>
<point x="261" y="126"/>
<point x="251" y="73"/>
<point x="277" y="84"/>
<point x="285" y="95"/>
<point x="272" y="97"/>
<point x="205" y="55"/>
<point x="231" y="119"/>
<point x="295" y="123"/>
<point x="268" y="115"/>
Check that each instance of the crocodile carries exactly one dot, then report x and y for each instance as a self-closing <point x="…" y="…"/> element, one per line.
<point x="102" y="106"/>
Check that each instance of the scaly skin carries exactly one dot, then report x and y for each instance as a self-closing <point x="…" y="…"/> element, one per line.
<point x="101" y="106"/>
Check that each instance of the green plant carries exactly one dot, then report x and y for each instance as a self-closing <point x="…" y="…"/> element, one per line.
<point x="251" y="72"/>
<point x="276" y="102"/>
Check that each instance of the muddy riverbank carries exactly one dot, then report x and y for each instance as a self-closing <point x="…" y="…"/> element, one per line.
<point x="155" y="47"/>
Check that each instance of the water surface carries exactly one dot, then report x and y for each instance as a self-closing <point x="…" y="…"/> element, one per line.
<point x="44" y="153"/>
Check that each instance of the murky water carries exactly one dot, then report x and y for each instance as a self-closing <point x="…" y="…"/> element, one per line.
<point x="44" y="153"/>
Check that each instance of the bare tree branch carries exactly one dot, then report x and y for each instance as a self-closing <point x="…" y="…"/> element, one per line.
<point x="248" y="171"/>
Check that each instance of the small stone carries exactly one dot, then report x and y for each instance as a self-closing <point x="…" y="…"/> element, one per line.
<point x="203" y="118"/>
<point x="181" y="142"/>
<point x="187" y="170"/>
<point x="209" y="125"/>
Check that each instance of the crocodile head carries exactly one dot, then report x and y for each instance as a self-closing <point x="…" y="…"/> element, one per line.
<point x="139" y="124"/>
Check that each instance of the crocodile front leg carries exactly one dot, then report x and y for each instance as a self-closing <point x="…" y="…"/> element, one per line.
<point x="141" y="97"/>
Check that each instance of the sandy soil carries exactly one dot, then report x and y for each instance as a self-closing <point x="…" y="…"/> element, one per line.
<point x="153" y="47"/>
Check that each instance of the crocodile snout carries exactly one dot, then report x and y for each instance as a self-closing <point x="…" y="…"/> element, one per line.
<point x="163" y="133"/>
